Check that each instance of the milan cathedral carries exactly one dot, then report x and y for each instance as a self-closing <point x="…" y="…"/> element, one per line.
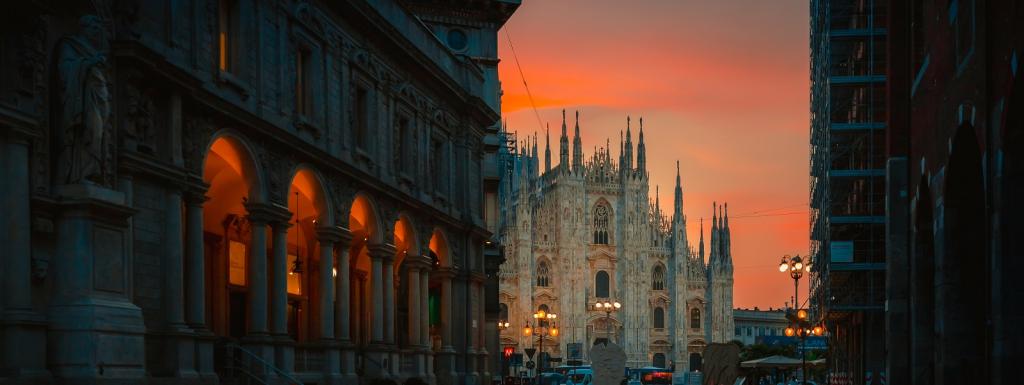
<point x="586" y="231"/>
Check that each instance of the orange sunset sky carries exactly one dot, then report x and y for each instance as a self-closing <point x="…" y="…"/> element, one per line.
<point x="722" y="86"/>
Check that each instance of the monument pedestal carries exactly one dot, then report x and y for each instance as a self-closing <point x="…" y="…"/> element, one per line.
<point x="95" y="332"/>
<point x="445" y="372"/>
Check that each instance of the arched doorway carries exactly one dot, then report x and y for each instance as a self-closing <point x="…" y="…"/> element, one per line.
<point x="659" y="360"/>
<point x="363" y="226"/>
<point x="962" y="295"/>
<point x="308" y="204"/>
<point x="230" y="172"/>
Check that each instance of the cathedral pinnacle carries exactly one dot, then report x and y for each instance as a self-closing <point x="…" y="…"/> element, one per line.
<point x="563" y="154"/>
<point x="547" y="148"/>
<point x="641" y="149"/>
<point x="628" y="156"/>
<point x="577" y="147"/>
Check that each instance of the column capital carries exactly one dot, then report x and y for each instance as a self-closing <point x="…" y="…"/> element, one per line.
<point x="383" y="251"/>
<point x="444" y="273"/>
<point x="477" y="277"/>
<point x="330" y="233"/>
<point x="194" y="197"/>
<point x="419" y="262"/>
<point x="267" y="213"/>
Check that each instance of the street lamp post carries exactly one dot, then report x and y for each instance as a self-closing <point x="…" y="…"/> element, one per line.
<point x="608" y="307"/>
<point x="542" y="326"/>
<point x="799" y="325"/>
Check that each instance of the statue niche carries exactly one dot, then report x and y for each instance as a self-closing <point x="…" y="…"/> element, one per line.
<point x="83" y="113"/>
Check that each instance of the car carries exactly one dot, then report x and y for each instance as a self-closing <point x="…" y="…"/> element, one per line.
<point x="579" y="376"/>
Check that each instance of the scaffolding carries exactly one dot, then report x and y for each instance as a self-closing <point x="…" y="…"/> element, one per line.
<point x="847" y="180"/>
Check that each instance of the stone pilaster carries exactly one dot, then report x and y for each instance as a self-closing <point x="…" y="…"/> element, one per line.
<point x="179" y="345"/>
<point x="195" y="286"/>
<point x="22" y="329"/>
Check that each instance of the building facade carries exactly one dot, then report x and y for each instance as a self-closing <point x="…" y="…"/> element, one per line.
<point x="847" y="183"/>
<point x="197" y="191"/>
<point x="956" y="179"/>
<point x="585" y="231"/>
<point x="751" y="324"/>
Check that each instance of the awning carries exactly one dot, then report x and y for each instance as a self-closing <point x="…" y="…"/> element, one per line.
<point x="772" y="362"/>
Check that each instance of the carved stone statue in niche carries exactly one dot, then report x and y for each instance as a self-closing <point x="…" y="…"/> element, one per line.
<point x="84" y="111"/>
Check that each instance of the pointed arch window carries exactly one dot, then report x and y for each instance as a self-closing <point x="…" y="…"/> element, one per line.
<point x="601" y="284"/>
<point x="658" y="278"/>
<point x="695" y="318"/>
<point x="601" y="214"/>
<point x="542" y="274"/>
<point x="658" y="318"/>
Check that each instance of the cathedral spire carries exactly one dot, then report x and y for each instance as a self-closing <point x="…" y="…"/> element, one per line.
<point x="628" y="164"/>
<point x="577" y="147"/>
<point x="641" y="152"/>
<point x="679" y="194"/>
<point x="657" y="200"/>
<point x="702" y="240"/>
<point x="547" y="148"/>
<point x="563" y="154"/>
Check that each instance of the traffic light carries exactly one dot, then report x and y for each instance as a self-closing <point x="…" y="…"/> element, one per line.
<point x="508" y="351"/>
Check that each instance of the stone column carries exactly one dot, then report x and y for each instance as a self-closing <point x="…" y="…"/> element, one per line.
<point x="413" y="324"/>
<point x="327" y="235"/>
<point x="179" y="348"/>
<point x="23" y="334"/>
<point x="195" y="287"/>
<point x="425" y="324"/>
<point x="257" y="336"/>
<point x="280" y="265"/>
<point x="342" y="308"/>
<point x="379" y="354"/>
<point x="445" y="363"/>
<point x="389" y="302"/>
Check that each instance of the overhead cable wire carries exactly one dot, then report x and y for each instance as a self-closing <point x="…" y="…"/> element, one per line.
<point x="529" y="94"/>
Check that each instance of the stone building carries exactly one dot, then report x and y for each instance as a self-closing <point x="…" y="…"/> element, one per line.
<point x="205" y="189"/>
<point x="586" y="230"/>
<point x="955" y="169"/>
<point x="752" y="324"/>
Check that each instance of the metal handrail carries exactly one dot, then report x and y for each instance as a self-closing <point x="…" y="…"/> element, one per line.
<point x="257" y="358"/>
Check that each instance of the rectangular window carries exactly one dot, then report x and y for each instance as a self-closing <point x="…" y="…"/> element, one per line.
<point x="236" y="263"/>
<point x="227" y="34"/>
<point x="303" y="98"/>
<point x="403" y="146"/>
<point x="437" y="163"/>
<point x="362" y="117"/>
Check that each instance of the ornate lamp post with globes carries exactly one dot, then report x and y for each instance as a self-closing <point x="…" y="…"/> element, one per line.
<point x="799" y="325"/>
<point x="608" y="308"/>
<point x="542" y="326"/>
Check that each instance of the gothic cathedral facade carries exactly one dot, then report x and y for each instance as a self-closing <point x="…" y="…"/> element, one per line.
<point x="586" y="231"/>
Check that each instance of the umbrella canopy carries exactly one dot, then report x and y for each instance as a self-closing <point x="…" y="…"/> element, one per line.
<point x="772" y="362"/>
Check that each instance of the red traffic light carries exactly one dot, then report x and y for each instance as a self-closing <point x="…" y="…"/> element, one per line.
<point x="508" y="351"/>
